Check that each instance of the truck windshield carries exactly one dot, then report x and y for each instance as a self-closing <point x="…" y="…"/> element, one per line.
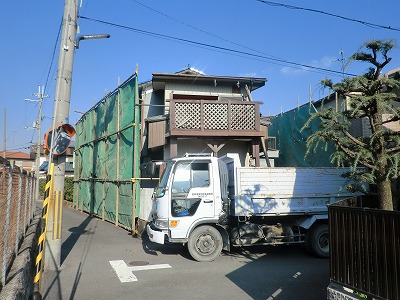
<point x="160" y="190"/>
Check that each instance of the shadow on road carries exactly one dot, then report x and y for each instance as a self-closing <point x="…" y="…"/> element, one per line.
<point x="281" y="270"/>
<point x="70" y="242"/>
<point x="53" y="289"/>
<point x="166" y="249"/>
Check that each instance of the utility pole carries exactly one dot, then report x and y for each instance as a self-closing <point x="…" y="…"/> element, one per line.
<point x="62" y="98"/>
<point x="38" y="126"/>
<point x="60" y="117"/>
<point x="5" y="133"/>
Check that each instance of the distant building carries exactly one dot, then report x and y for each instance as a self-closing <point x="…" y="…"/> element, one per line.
<point x="44" y="159"/>
<point x="291" y="140"/>
<point x="21" y="159"/>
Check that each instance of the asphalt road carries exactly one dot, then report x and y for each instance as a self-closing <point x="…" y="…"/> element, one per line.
<point x="97" y="255"/>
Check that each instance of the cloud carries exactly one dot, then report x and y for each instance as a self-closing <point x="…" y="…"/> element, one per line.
<point x="325" y="62"/>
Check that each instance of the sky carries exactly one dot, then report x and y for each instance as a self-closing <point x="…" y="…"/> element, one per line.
<point x="249" y="38"/>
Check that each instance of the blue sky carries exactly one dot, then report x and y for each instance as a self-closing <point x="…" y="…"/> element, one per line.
<point x="29" y="39"/>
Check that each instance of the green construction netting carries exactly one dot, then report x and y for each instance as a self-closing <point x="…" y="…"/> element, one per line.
<point x="104" y="157"/>
<point x="291" y="140"/>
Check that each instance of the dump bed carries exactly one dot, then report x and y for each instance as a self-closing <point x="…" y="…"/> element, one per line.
<point x="286" y="191"/>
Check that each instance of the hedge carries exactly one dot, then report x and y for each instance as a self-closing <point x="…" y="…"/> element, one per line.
<point x="68" y="188"/>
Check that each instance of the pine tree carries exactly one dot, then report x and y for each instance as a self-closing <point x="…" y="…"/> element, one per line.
<point x="370" y="96"/>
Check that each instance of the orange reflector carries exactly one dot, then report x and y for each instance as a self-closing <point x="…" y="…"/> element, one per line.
<point x="173" y="223"/>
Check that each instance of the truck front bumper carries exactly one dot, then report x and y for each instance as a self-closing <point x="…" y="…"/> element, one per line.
<point x="155" y="235"/>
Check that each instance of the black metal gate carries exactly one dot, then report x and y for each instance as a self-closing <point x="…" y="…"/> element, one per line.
<point x="365" y="247"/>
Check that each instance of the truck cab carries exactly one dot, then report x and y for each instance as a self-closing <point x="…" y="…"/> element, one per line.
<point x="188" y="195"/>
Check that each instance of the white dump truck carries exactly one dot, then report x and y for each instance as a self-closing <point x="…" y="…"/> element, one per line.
<point x="212" y="204"/>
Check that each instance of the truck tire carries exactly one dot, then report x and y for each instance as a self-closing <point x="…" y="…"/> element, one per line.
<point x="317" y="240"/>
<point x="205" y="243"/>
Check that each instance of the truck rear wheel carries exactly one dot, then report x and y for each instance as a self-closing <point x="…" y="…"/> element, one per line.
<point x="317" y="240"/>
<point x="205" y="243"/>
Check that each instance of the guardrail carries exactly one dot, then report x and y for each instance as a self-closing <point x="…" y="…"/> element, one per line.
<point x="364" y="247"/>
<point x="17" y="200"/>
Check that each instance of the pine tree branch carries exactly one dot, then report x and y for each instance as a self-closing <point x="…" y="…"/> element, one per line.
<point x="347" y="133"/>
<point x="393" y="149"/>
<point x="351" y="153"/>
<point x="353" y="139"/>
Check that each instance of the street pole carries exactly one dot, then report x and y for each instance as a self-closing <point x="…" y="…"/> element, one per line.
<point x="38" y="126"/>
<point x="60" y="117"/>
<point x="5" y="133"/>
<point x="62" y="98"/>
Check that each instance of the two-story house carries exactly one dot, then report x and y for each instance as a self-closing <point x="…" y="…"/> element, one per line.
<point x="190" y="112"/>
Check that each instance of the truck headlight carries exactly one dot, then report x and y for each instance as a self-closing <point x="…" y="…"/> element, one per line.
<point x="161" y="223"/>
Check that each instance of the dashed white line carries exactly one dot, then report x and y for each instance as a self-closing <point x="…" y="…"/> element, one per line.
<point x="275" y="294"/>
<point x="296" y="275"/>
<point x="278" y="291"/>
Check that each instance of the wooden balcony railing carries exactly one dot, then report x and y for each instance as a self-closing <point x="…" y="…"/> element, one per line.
<point x="214" y="118"/>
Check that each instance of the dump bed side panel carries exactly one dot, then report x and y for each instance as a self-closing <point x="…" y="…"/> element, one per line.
<point x="286" y="191"/>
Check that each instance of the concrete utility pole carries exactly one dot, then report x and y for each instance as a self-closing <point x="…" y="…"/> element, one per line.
<point x="60" y="117"/>
<point x="5" y="134"/>
<point x="38" y="126"/>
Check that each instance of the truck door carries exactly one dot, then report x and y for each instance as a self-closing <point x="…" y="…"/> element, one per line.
<point x="192" y="195"/>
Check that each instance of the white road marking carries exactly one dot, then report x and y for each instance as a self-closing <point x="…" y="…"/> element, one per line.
<point x="296" y="275"/>
<point x="125" y="273"/>
<point x="275" y="294"/>
<point x="150" y="267"/>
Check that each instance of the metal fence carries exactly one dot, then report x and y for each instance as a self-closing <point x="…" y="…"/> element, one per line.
<point x="17" y="200"/>
<point x="364" y="246"/>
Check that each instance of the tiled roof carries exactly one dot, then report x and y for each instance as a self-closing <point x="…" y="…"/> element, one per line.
<point x="17" y="155"/>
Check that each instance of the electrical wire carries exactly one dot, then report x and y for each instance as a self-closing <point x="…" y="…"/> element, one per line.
<point x="86" y="5"/>
<point x="372" y="25"/>
<point x="209" y="46"/>
<point x="19" y="147"/>
<point x="200" y="30"/>
<point x="53" y="55"/>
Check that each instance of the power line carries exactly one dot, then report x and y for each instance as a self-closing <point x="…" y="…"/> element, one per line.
<point x="52" y="57"/>
<point x="19" y="147"/>
<point x="373" y="25"/>
<point x="199" y="29"/>
<point x="247" y="54"/>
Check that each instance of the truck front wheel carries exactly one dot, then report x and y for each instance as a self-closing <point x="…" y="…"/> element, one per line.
<point x="205" y="243"/>
<point x="317" y="240"/>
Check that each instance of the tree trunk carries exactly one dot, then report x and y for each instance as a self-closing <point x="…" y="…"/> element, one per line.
<point x="385" y="194"/>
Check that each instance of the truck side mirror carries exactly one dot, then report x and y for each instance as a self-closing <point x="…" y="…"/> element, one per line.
<point x="149" y="168"/>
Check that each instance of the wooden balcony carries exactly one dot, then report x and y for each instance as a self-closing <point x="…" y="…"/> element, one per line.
<point x="211" y="118"/>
